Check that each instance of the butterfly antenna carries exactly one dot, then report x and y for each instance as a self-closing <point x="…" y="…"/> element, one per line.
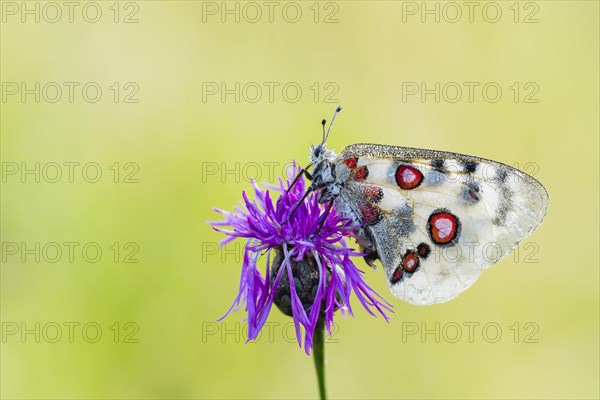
<point x="335" y="114"/>
<point x="323" y="124"/>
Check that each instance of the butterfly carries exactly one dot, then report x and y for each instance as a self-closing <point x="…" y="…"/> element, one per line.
<point x="434" y="219"/>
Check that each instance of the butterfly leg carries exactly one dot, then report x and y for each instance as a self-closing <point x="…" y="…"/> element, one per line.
<point x="310" y="189"/>
<point x="302" y="172"/>
<point x="324" y="216"/>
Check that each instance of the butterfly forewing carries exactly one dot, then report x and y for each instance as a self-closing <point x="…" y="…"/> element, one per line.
<point x="437" y="219"/>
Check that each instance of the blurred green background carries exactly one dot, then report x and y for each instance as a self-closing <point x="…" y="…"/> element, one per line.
<point x="147" y="329"/>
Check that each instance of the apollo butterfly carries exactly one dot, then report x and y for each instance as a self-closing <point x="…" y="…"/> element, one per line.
<point x="431" y="217"/>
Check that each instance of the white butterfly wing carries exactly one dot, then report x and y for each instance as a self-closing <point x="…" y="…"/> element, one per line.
<point x="438" y="219"/>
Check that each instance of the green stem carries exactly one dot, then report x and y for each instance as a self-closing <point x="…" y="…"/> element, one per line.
<point x="319" y="356"/>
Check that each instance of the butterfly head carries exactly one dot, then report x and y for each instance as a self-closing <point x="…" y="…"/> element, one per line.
<point x="320" y="153"/>
<point x="323" y="172"/>
<point x="322" y="159"/>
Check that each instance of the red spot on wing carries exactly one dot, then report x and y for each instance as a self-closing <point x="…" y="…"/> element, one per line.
<point x="443" y="227"/>
<point x="370" y="213"/>
<point x="410" y="261"/>
<point x="360" y="173"/>
<point x="408" y="177"/>
<point x="351" y="162"/>
<point x="373" y="193"/>
<point x="409" y="264"/>
<point x="397" y="276"/>
<point x="423" y="250"/>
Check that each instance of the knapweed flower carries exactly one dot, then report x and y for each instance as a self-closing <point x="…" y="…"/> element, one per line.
<point x="308" y="270"/>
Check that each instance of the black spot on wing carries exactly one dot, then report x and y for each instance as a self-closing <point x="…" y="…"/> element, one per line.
<point x="471" y="192"/>
<point x="501" y="175"/>
<point x="470" y="166"/>
<point x="438" y="165"/>
<point x="437" y="174"/>
<point x="504" y="197"/>
<point x="504" y="206"/>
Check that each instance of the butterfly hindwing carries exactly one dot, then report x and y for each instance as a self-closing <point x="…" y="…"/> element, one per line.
<point x="438" y="219"/>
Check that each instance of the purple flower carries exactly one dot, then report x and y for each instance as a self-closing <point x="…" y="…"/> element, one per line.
<point x="308" y="270"/>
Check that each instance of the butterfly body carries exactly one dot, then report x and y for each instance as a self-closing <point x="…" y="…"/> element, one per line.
<point x="434" y="219"/>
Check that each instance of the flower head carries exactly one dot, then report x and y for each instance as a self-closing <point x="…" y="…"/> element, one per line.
<point x="309" y="273"/>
